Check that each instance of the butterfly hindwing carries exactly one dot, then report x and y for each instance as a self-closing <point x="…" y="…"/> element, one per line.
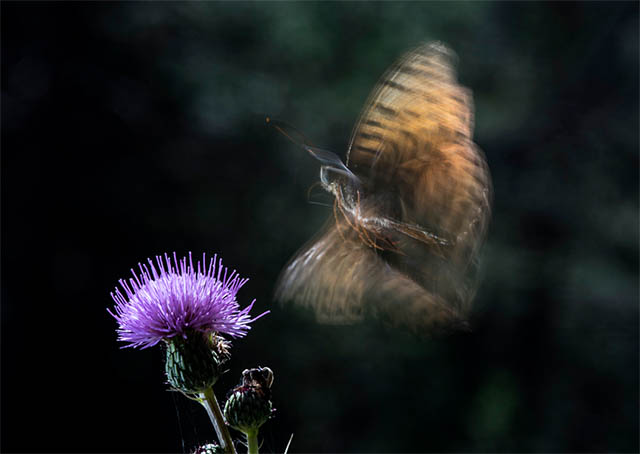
<point x="425" y="198"/>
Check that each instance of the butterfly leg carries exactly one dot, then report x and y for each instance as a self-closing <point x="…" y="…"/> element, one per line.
<point x="358" y="228"/>
<point x="362" y="230"/>
<point x="335" y="215"/>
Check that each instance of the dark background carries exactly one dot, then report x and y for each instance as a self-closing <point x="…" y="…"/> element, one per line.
<point x="134" y="129"/>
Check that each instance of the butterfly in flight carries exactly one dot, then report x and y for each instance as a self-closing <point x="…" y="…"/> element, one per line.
<point x="411" y="207"/>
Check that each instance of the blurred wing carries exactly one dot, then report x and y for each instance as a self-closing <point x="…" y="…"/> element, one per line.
<point x="413" y="144"/>
<point x="425" y="190"/>
<point x="342" y="280"/>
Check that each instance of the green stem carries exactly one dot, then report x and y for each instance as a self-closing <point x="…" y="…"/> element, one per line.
<point x="208" y="399"/>
<point x="252" y="441"/>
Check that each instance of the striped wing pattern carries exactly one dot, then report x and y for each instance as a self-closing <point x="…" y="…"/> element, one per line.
<point x="428" y="189"/>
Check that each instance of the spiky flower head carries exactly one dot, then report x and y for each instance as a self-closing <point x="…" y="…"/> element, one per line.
<point x="176" y="299"/>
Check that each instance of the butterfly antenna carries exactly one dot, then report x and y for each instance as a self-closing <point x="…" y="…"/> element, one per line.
<point x="282" y="127"/>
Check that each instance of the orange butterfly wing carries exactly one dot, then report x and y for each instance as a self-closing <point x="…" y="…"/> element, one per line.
<point x="425" y="187"/>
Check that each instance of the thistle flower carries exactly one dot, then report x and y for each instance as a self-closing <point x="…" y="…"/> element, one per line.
<point x="176" y="299"/>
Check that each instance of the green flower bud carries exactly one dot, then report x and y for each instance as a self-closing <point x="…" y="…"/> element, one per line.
<point x="249" y="406"/>
<point x="192" y="364"/>
<point x="246" y="410"/>
<point x="209" y="448"/>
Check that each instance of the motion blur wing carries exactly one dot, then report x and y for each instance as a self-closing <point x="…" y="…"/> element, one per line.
<point x="405" y="246"/>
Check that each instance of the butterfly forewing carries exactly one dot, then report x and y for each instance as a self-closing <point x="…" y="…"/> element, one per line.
<point x="407" y="251"/>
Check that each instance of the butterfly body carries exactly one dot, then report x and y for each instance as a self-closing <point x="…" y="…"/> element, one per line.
<point x="411" y="206"/>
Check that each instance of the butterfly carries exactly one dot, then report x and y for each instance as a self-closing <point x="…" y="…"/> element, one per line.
<point x="412" y="204"/>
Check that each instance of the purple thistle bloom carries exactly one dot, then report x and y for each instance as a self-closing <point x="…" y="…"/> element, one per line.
<point x="177" y="298"/>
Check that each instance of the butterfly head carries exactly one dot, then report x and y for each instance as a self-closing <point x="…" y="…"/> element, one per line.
<point x="336" y="178"/>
